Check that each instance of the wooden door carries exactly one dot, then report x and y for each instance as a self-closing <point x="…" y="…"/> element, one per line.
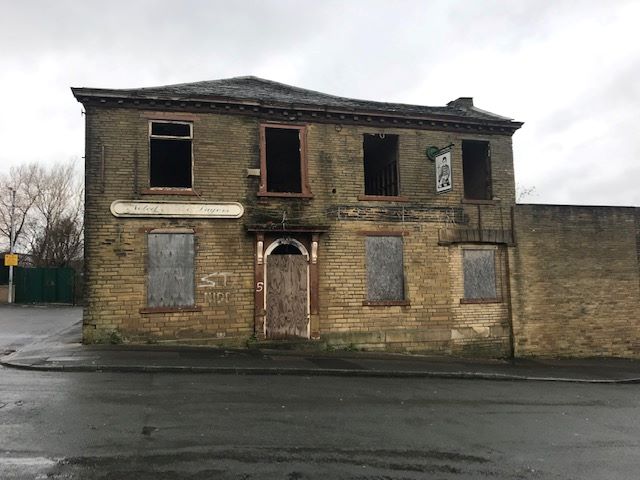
<point x="287" y="297"/>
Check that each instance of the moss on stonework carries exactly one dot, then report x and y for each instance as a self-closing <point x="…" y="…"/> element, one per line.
<point x="103" y="337"/>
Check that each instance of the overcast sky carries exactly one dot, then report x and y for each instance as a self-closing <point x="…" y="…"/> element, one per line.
<point x="569" y="69"/>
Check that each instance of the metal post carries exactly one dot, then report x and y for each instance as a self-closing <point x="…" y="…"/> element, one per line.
<point x="11" y="243"/>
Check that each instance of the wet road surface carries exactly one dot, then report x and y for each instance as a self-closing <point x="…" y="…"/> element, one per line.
<point x="162" y="426"/>
<point x="27" y="325"/>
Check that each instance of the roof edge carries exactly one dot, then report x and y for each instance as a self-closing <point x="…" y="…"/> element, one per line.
<point x="83" y="93"/>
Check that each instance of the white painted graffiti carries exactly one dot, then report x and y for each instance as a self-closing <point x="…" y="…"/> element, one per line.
<point x="215" y="280"/>
<point x="217" y="298"/>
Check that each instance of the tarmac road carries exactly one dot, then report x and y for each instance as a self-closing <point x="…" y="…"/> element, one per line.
<point x="165" y="426"/>
<point x="71" y="425"/>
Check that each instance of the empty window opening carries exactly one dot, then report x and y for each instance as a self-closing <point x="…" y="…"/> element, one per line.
<point x="170" y="161"/>
<point x="385" y="269"/>
<point x="479" y="271"/>
<point x="381" y="165"/>
<point x="476" y="168"/>
<point x="283" y="160"/>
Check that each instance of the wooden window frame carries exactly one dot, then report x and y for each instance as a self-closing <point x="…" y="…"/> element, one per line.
<point x="188" y="191"/>
<point x="364" y="197"/>
<point x="304" y="178"/>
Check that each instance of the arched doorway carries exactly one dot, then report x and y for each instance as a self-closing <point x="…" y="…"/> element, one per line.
<point x="286" y="293"/>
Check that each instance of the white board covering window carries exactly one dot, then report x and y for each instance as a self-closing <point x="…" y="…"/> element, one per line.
<point x="385" y="270"/>
<point x="479" y="271"/>
<point x="171" y="279"/>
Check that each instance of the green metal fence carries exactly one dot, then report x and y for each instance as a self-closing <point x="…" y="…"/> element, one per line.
<point x="44" y="285"/>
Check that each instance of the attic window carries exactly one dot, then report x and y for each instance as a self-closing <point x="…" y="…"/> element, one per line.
<point x="283" y="163"/>
<point x="381" y="165"/>
<point x="476" y="169"/>
<point x="170" y="158"/>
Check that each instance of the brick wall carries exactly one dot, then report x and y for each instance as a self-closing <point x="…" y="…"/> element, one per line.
<point x="224" y="147"/>
<point x="576" y="281"/>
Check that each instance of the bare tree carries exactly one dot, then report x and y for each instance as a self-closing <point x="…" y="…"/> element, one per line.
<point x="525" y="192"/>
<point x="23" y="180"/>
<point x="48" y="217"/>
<point x="56" y="230"/>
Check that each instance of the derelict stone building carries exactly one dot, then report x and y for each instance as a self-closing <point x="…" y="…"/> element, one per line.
<point x="226" y="210"/>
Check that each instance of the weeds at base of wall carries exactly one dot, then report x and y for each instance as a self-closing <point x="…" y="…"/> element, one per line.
<point x="104" y="337"/>
<point x="351" y="347"/>
<point x="252" y="342"/>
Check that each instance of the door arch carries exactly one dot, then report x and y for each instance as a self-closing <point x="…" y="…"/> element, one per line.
<point x="286" y="293"/>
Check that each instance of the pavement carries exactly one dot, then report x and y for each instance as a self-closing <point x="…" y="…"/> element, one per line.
<point x="63" y="352"/>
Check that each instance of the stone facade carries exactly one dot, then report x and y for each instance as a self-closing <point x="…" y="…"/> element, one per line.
<point x="330" y="223"/>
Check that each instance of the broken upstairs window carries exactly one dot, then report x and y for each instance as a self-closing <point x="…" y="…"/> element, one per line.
<point x="170" y="159"/>
<point x="476" y="169"/>
<point x="381" y="165"/>
<point x="283" y="162"/>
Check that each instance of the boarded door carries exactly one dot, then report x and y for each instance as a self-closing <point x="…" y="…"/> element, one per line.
<point x="287" y="296"/>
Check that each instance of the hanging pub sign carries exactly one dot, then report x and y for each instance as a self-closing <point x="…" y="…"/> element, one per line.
<point x="444" y="177"/>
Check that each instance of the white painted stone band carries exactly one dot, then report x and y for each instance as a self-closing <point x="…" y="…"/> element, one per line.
<point x="137" y="208"/>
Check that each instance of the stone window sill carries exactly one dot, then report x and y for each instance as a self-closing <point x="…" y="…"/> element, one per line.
<point x="147" y="310"/>
<point x="472" y="201"/>
<point x="387" y="303"/>
<point x="169" y="191"/>
<point x="383" y="198"/>
<point x="285" y="195"/>
<point x="479" y="300"/>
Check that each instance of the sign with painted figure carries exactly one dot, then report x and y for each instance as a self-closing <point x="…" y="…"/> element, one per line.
<point x="10" y="259"/>
<point x="167" y="209"/>
<point x="444" y="176"/>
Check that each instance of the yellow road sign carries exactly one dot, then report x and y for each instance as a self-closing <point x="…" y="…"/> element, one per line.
<point x="10" y="259"/>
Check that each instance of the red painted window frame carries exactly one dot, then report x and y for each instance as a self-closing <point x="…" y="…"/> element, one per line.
<point x="304" y="179"/>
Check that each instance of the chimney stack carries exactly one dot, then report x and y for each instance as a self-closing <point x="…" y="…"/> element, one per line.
<point x="461" y="102"/>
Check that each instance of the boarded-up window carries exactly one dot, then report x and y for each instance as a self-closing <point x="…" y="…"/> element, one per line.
<point x="479" y="270"/>
<point x="171" y="270"/>
<point x="385" y="272"/>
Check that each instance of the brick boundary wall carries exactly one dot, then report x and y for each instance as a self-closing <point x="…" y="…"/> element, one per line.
<point x="576" y="281"/>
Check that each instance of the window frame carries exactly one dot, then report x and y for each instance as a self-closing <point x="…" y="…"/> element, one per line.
<point x="496" y="274"/>
<point x="370" y="197"/>
<point x="489" y="195"/>
<point x="304" y="178"/>
<point x="169" y="190"/>
<point x="385" y="303"/>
